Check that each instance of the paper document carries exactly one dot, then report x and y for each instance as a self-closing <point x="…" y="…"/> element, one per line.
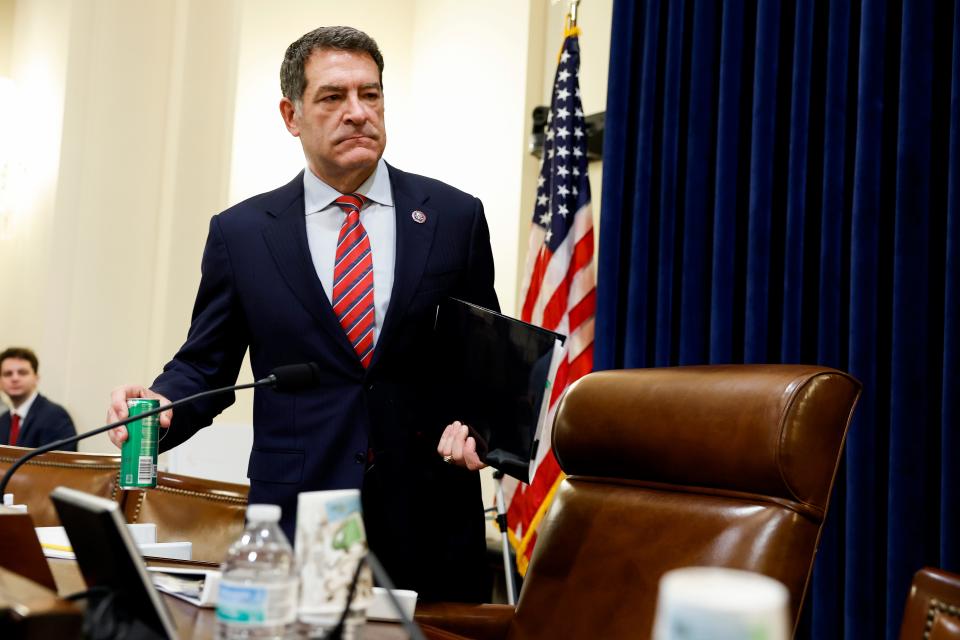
<point x="56" y="544"/>
<point x="382" y="607"/>
<point x="196" y="586"/>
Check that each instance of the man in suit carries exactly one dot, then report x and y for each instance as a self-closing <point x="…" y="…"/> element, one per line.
<point x="297" y="276"/>
<point x="33" y="420"/>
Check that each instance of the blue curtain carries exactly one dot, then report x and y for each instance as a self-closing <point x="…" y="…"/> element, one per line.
<point x="781" y="185"/>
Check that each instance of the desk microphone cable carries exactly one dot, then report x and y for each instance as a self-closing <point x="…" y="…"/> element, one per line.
<point x="336" y="633"/>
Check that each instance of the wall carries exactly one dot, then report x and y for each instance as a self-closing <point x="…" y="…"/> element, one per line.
<point x="6" y="36"/>
<point x="126" y="144"/>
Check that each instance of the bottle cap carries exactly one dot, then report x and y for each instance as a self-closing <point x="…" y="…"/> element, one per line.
<point x="263" y="513"/>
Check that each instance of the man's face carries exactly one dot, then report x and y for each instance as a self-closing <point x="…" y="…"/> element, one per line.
<point x="17" y="378"/>
<point x="340" y="117"/>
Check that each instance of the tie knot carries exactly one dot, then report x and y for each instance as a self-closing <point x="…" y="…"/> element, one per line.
<point x="351" y="202"/>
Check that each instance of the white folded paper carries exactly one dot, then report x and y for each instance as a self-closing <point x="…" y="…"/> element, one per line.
<point x="56" y="544"/>
<point x="196" y="586"/>
<point x="382" y="608"/>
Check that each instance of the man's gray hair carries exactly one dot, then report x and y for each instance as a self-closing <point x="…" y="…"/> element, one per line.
<point x="293" y="80"/>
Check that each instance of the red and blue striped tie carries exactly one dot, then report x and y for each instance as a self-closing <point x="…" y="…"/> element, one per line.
<point x="353" y="278"/>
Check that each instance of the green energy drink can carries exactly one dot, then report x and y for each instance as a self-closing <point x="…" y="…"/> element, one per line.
<point x="138" y="455"/>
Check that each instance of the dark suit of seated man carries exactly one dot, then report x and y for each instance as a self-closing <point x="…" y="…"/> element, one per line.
<point x="33" y="421"/>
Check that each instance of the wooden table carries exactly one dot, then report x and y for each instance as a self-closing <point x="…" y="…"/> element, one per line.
<point x="196" y="622"/>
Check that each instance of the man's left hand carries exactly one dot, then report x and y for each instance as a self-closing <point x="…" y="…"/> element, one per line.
<point x="459" y="448"/>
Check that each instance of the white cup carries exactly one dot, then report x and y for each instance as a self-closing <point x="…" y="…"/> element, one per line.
<point x="331" y="540"/>
<point x="715" y="603"/>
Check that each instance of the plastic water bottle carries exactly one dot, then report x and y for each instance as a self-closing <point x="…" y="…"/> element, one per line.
<point x="259" y="583"/>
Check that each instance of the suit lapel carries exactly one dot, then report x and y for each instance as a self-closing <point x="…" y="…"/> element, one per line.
<point x="5" y="428"/>
<point x="414" y="239"/>
<point x="286" y="239"/>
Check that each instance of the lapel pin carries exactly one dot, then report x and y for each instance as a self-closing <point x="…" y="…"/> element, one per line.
<point x="419" y="216"/>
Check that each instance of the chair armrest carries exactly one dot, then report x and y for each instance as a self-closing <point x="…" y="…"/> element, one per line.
<point x="475" y="621"/>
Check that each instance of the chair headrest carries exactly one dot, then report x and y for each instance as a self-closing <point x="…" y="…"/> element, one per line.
<point x="774" y="430"/>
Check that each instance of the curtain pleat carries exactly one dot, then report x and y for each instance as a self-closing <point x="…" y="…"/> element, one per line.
<point x="761" y="181"/>
<point x="793" y="274"/>
<point x="866" y="450"/>
<point x="909" y="403"/>
<point x="669" y="180"/>
<point x="722" y="285"/>
<point x="639" y="304"/>
<point x="831" y="267"/>
<point x="780" y="185"/>
<point x="617" y="227"/>
<point x="697" y="223"/>
<point x="950" y="415"/>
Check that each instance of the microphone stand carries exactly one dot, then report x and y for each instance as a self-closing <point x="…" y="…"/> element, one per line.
<point x="380" y="575"/>
<point x="270" y="380"/>
<point x="505" y="540"/>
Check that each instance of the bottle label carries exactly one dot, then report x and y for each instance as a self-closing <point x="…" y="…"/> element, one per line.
<point x="252" y="604"/>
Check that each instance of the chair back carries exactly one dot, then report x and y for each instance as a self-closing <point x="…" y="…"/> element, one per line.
<point x="208" y="513"/>
<point x="727" y="466"/>
<point x="933" y="607"/>
<point x="32" y="483"/>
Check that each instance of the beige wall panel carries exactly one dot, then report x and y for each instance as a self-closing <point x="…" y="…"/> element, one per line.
<point x="32" y="129"/>
<point x="132" y="142"/>
<point x="6" y="35"/>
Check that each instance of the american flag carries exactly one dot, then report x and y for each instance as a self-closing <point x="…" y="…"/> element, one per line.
<point x="559" y="286"/>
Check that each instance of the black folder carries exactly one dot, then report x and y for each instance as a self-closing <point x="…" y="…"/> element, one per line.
<point x="492" y="374"/>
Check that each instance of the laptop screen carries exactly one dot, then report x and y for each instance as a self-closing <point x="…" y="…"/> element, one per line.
<point x="108" y="557"/>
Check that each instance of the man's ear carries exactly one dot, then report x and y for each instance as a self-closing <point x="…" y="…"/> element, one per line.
<point x="288" y="111"/>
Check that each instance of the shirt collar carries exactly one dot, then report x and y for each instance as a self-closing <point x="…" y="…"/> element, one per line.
<point x="24" y="408"/>
<point x="318" y="195"/>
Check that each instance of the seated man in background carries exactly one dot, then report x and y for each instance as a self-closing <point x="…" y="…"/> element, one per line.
<point x="33" y="420"/>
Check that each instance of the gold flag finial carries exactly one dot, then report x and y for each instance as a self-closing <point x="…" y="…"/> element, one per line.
<point x="572" y="14"/>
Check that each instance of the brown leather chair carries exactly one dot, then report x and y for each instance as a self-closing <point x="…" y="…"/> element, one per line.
<point x="726" y="466"/>
<point x="206" y="512"/>
<point x="29" y="611"/>
<point x="32" y="483"/>
<point x="933" y="607"/>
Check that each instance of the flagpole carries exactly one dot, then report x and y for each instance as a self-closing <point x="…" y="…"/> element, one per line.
<point x="572" y="13"/>
<point x="561" y="242"/>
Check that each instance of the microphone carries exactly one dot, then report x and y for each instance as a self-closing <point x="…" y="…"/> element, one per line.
<point x="295" y="377"/>
<point x="287" y="378"/>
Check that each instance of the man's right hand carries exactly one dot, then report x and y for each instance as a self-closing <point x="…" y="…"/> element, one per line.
<point x="118" y="410"/>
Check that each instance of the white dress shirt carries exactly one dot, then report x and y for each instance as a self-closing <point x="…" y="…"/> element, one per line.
<point x="24" y="408"/>
<point x="324" y="219"/>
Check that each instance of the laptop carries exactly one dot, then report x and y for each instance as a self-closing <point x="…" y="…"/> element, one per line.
<point x="493" y="372"/>
<point x="109" y="559"/>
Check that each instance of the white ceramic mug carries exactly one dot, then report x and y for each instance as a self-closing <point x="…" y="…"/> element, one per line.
<point x="715" y="603"/>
